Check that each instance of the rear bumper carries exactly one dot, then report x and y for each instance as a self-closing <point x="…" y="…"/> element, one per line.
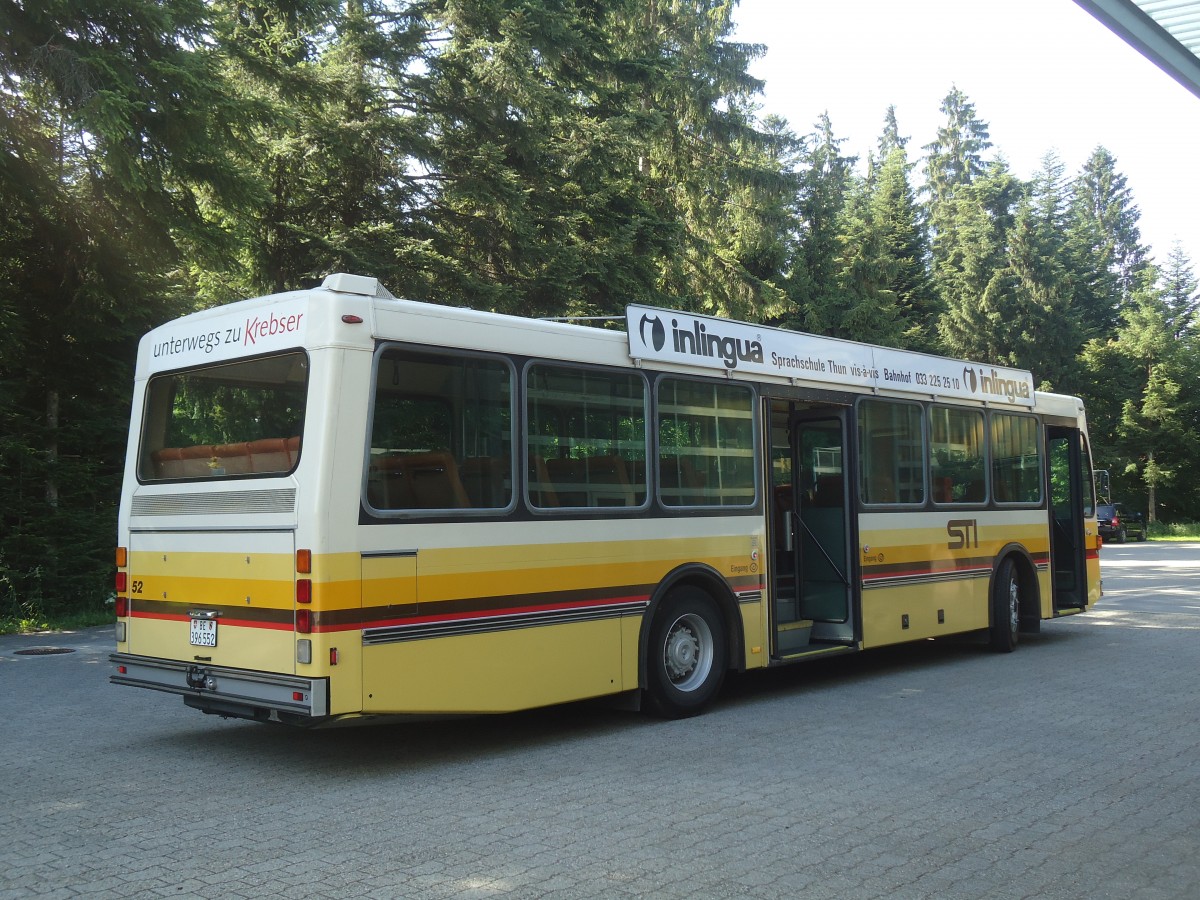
<point x="239" y="693"/>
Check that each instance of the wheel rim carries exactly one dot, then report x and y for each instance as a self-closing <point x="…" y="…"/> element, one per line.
<point x="688" y="652"/>
<point x="1014" y="605"/>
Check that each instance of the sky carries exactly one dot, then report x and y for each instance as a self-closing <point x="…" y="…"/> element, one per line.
<point x="1043" y="74"/>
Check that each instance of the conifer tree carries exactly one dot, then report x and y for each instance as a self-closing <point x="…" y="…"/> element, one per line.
<point x="970" y="267"/>
<point x="1157" y="428"/>
<point x="1180" y="294"/>
<point x="826" y="181"/>
<point x="1044" y="332"/>
<point x="113" y="121"/>
<point x="896" y="217"/>
<point x="970" y="205"/>
<point x="706" y="166"/>
<point x="955" y="158"/>
<point x="1104" y="243"/>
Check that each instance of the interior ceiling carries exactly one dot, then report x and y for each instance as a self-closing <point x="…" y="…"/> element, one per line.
<point x="1167" y="32"/>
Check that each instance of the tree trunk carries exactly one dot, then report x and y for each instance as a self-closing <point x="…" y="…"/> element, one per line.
<point x="52" y="448"/>
<point x="1151" y="518"/>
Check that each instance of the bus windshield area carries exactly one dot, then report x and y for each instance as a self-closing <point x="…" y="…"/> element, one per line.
<point x="238" y="419"/>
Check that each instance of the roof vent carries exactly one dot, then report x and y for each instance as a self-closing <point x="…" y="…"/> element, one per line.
<point x="353" y="284"/>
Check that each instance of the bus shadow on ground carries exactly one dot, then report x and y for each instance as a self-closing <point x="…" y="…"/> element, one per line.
<point x="855" y="668"/>
<point x="374" y="748"/>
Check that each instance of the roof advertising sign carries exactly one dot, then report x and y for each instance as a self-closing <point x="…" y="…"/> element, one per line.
<point x="688" y="339"/>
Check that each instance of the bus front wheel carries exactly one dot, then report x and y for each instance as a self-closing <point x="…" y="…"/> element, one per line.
<point x="686" y="655"/>
<point x="1006" y="607"/>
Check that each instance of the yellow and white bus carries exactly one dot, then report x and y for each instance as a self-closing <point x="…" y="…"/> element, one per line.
<point x="340" y="505"/>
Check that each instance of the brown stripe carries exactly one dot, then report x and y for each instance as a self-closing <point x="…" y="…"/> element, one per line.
<point x="253" y="614"/>
<point x="927" y="567"/>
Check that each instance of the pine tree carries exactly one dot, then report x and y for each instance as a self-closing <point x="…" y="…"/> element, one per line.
<point x="1180" y="294"/>
<point x="863" y="306"/>
<point x="969" y="203"/>
<point x="971" y="267"/>
<point x="114" y="120"/>
<point x="590" y="155"/>
<point x="332" y="149"/>
<point x="1157" y="434"/>
<point x="706" y="165"/>
<point x="1104" y="243"/>
<point x="955" y="158"/>
<point x="826" y="182"/>
<point x="1044" y="332"/>
<point x="896" y="217"/>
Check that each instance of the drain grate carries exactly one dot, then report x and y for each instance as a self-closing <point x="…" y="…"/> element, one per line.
<point x="43" y="651"/>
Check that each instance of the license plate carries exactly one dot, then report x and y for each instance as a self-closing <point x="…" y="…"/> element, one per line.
<point x="203" y="633"/>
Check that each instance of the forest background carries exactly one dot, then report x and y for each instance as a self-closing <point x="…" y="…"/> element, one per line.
<point x="538" y="157"/>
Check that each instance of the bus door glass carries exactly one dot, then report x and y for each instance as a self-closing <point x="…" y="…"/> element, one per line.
<point x="1071" y="501"/>
<point x="821" y="524"/>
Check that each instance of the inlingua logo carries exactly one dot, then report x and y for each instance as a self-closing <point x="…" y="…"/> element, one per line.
<point x="699" y="341"/>
<point x="658" y="334"/>
<point x="995" y="384"/>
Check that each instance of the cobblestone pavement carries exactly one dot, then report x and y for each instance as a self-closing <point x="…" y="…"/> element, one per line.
<point x="1070" y="769"/>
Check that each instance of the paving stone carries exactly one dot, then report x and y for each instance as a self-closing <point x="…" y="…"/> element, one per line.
<point x="1069" y="769"/>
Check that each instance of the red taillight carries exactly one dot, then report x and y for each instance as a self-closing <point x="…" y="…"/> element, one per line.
<point x="122" y="607"/>
<point x="304" y="621"/>
<point x="1116" y="523"/>
<point x="303" y="590"/>
<point x="122" y="582"/>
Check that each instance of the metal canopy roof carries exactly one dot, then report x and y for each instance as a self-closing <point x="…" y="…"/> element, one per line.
<point x="1165" y="31"/>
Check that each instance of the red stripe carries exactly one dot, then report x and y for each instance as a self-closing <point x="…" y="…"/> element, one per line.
<point x="506" y="611"/>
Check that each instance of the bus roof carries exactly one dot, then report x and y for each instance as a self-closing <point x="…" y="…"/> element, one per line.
<point x="668" y="339"/>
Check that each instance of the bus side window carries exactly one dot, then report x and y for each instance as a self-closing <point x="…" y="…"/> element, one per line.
<point x="587" y="439"/>
<point x="1016" y="458"/>
<point x="892" y="459"/>
<point x="441" y="432"/>
<point x="956" y="455"/>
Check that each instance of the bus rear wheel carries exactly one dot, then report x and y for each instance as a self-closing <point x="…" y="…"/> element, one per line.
<point x="1006" y="608"/>
<point x="686" y="655"/>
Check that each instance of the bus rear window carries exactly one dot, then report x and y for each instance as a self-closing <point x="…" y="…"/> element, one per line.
<point x="233" y="420"/>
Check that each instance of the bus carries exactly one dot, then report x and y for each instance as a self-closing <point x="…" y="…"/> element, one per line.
<point x="339" y="505"/>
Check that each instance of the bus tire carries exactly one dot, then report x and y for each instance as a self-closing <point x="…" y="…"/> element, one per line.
<point x="1006" y="608"/>
<point x="686" y="654"/>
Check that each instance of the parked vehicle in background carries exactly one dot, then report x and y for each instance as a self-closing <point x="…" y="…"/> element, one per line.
<point x="1118" y="524"/>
